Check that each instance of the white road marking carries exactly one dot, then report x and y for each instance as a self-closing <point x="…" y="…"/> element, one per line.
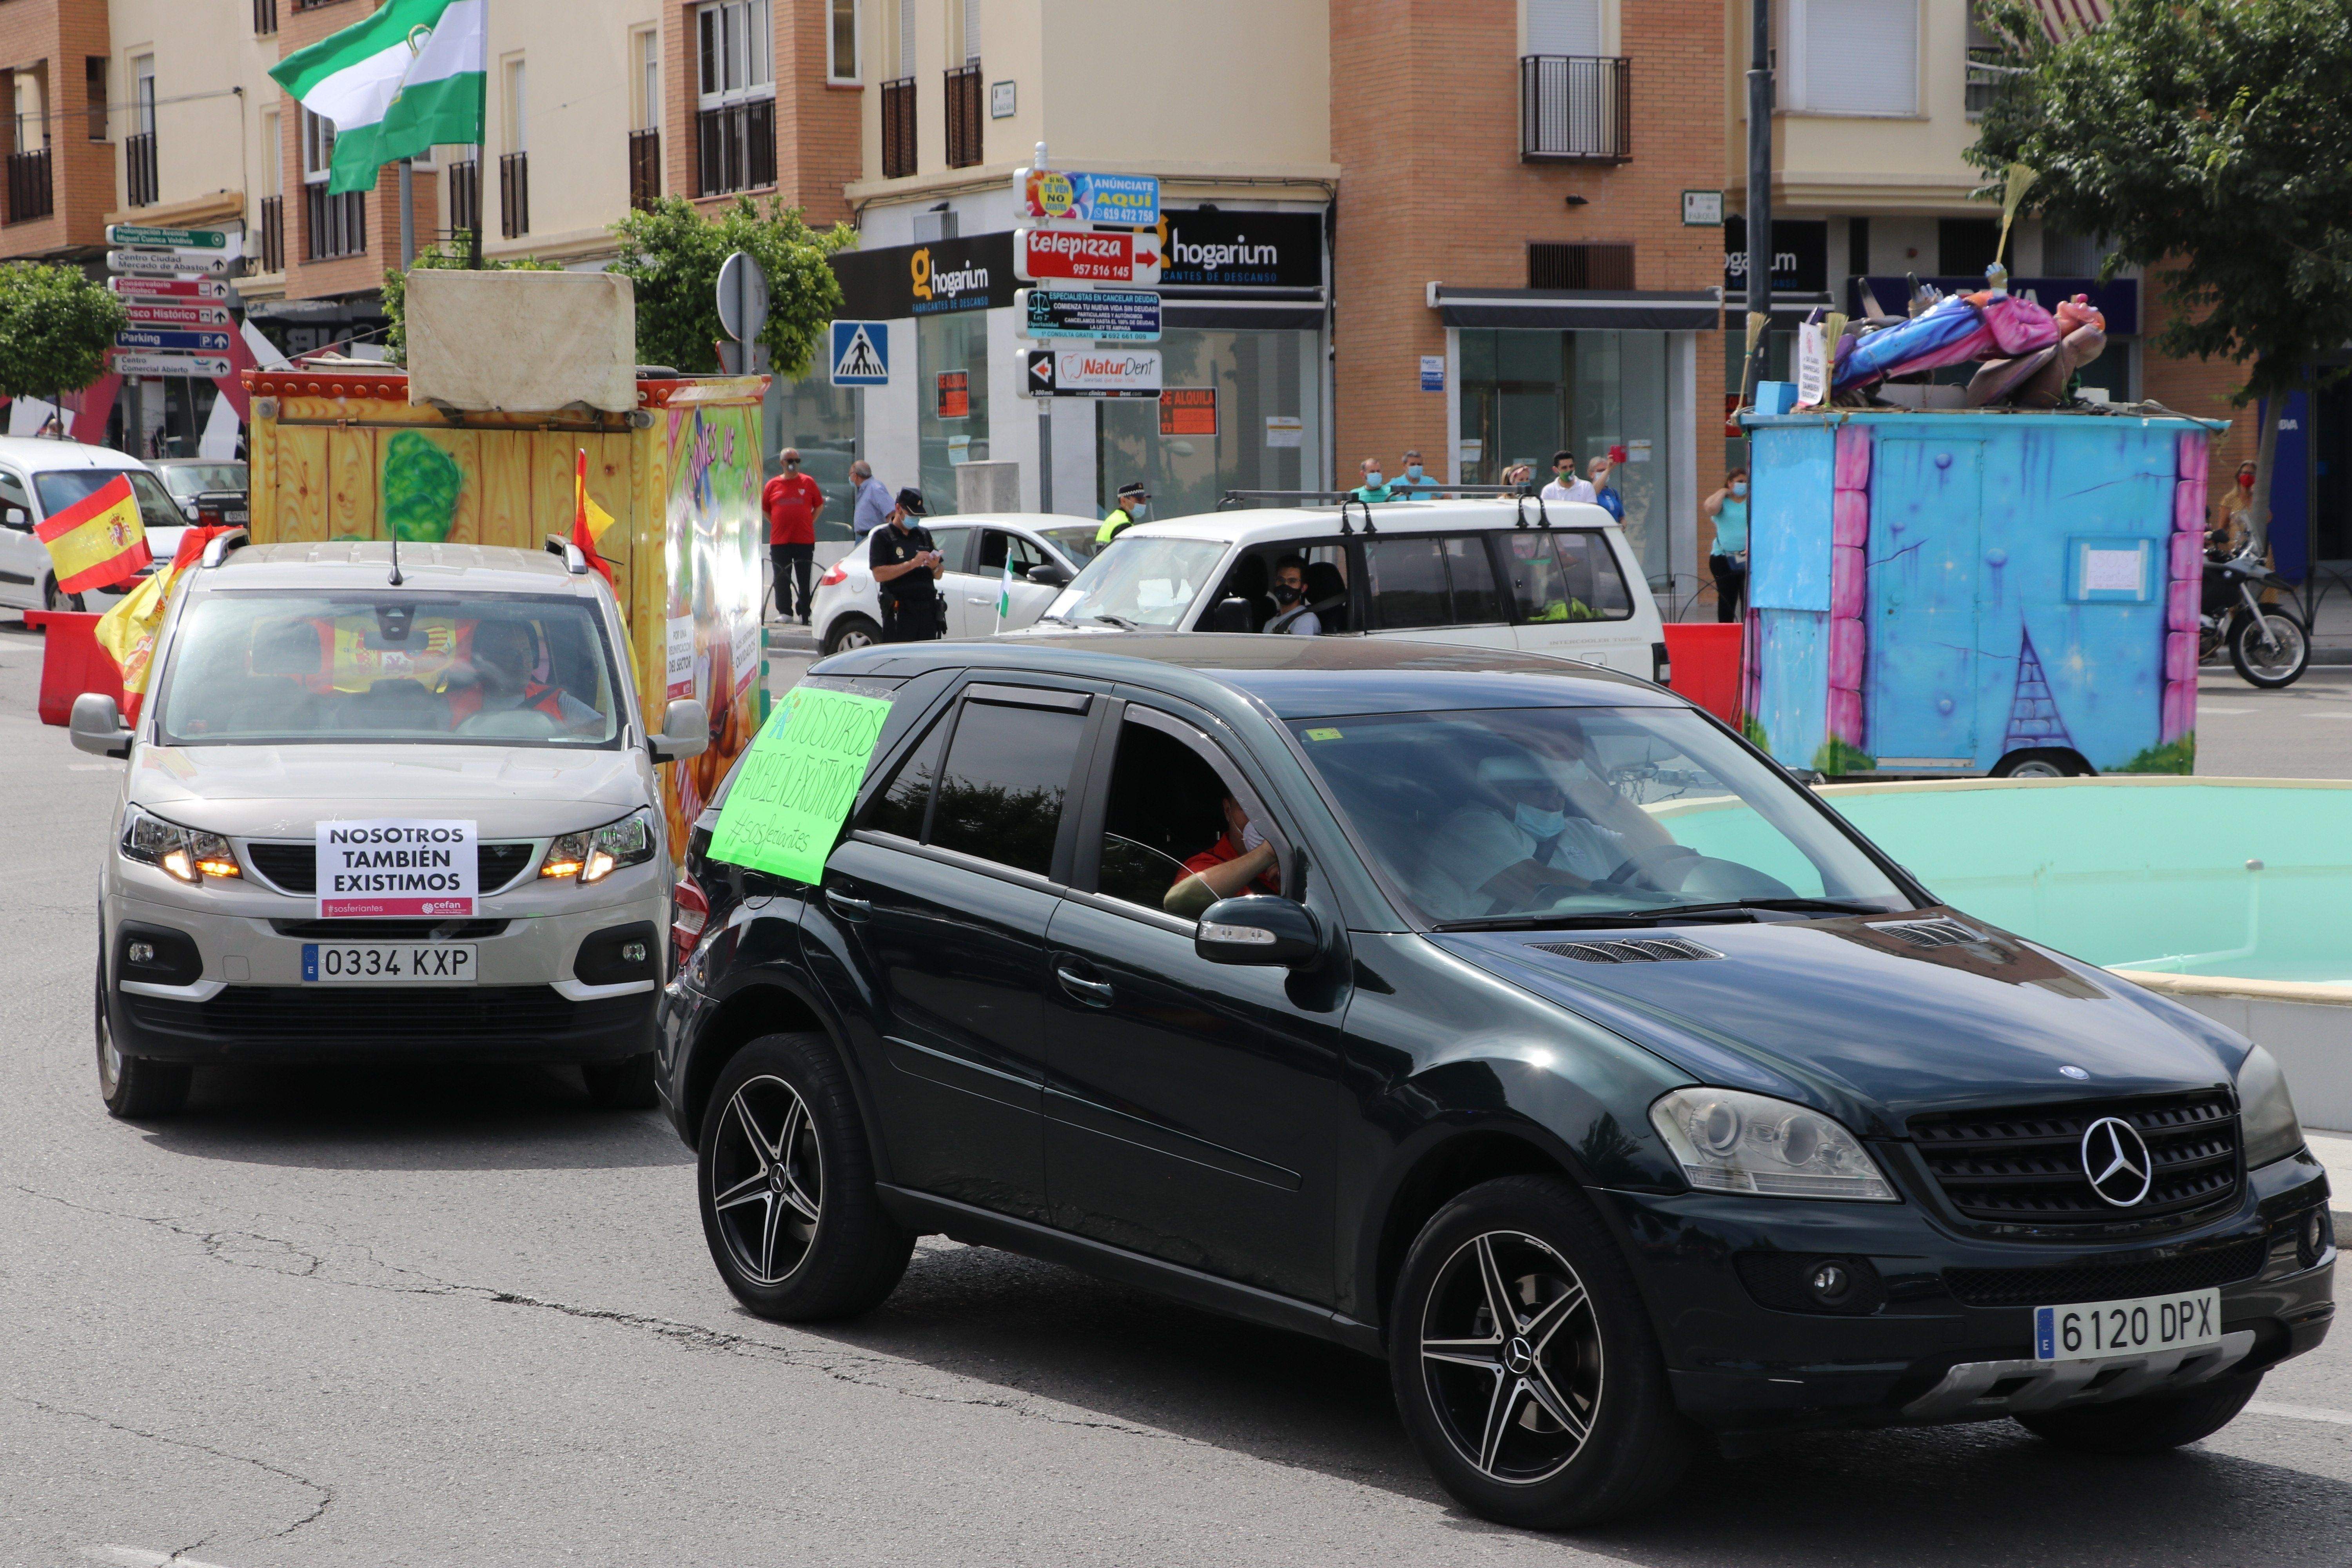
<point x="2329" y="714"/>
<point x="140" y="1557"/>
<point x="2300" y="1413"/>
<point x="2205" y="709"/>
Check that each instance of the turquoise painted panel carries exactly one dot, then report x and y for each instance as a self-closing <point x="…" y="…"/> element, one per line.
<point x="1926" y="512"/>
<point x="1792" y="705"/>
<point x="1789" y="531"/>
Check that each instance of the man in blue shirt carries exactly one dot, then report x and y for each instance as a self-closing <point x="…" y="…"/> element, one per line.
<point x="873" y="500"/>
<point x="1375" y="485"/>
<point x="1416" y="484"/>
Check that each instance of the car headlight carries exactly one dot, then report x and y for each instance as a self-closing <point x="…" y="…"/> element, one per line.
<point x="1732" y="1141"/>
<point x="593" y="856"/>
<point x="181" y="851"/>
<point x="2265" y="1114"/>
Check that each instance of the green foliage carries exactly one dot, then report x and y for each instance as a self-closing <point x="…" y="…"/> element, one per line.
<point x="1753" y="728"/>
<point x="1835" y="759"/>
<point x="2180" y="757"/>
<point x="421" y="483"/>
<point x="672" y="254"/>
<point x="56" y="326"/>
<point x="2211" y="139"/>
<point x="449" y="258"/>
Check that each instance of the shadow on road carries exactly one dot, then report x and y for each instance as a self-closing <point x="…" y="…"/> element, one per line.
<point x="1965" y="1495"/>
<point x="411" y="1119"/>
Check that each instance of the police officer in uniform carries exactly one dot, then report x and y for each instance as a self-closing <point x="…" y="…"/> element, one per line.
<point x="1134" y="504"/>
<point x="908" y="566"/>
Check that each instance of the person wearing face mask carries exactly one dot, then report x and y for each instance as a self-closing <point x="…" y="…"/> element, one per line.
<point x="1241" y="861"/>
<point x="1565" y="485"/>
<point x="1134" y="506"/>
<point x="1375" y="485"/>
<point x="1416" y="485"/>
<point x="1547" y="826"/>
<point x="1728" y="559"/>
<point x="1289" y="592"/>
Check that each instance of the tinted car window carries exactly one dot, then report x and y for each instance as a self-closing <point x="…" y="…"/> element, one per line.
<point x="995" y="545"/>
<point x="954" y="544"/>
<point x="1476" y="600"/>
<point x="1407" y="579"/>
<point x="1000" y="794"/>
<point x="1564" y="574"/>
<point x="899" y="807"/>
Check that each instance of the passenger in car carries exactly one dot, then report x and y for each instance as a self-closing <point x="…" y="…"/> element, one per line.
<point x="1290" y="592"/>
<point x="1240" y="861"/>
<point x="1548" y="827"/>
<point x="505" y="653"/>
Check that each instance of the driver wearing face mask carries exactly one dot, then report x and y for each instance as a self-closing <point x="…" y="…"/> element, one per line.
<point x="1289" y="591"/>
<point x="1548" y="827"/>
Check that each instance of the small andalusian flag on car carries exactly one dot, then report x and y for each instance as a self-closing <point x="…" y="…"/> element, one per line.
<point x="408" y="77"/>
<point x="99" y="540"/>
<point x="1005" y="591"/>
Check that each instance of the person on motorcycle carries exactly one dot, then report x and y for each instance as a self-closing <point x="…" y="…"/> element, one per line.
<point x="2228" y="534"/>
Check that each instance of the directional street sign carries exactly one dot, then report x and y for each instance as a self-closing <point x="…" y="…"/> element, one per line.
<point x="1090" y="373"/>
<point x="1044" y="253"/>
<point x="861" y="353"/>
<point x="182" y="313"/>
<point x="185" y="288"/>
<point x="183" y="342"/>
<point x="171" y="263"/>
<point x="127" y="362"/>
<point x="193" y="238"/>
<point x="1110" y="317"/>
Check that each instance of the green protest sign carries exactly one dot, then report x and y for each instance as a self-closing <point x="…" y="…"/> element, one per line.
<point x="798" y="781"/>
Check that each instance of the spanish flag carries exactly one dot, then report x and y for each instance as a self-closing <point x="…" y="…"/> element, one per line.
<point x="127" y="632"/>
<point x="590" y="523"/>
<point x="99" y="540"/>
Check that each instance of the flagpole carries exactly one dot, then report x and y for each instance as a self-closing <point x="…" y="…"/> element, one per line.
<point x="407" y="214"/>
<point x="481" y="144"/>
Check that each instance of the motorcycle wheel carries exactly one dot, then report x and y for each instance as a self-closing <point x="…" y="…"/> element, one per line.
<point x="2280" y="663"/>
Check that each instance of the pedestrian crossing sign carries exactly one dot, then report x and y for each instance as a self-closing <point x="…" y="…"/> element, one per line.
<point x="861" y="353"/>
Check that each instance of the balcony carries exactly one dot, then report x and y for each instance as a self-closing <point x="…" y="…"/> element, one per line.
<point x="1575" y="108"/>
<point x="139" y="161"/>
<point x="273" y="234"/>
<point x="898" y="128"/>
<point x="514" y="195"/>
<point x="964" y="90"/>
<point x="337" y="226"/>
<point x="735" y="147"/>
<point x="644" y="168"/>
<point x="30" y="193"/>
<point x="465" y="197"/>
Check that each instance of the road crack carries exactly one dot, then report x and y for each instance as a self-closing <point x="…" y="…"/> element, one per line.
<point x="326" y="1495"/>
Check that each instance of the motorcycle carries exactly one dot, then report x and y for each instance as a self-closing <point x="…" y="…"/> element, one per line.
<point x="2269" y="645"/>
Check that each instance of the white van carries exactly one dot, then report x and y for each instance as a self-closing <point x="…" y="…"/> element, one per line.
<point x="1556" y="577"/>
<point x="40" y="477"/>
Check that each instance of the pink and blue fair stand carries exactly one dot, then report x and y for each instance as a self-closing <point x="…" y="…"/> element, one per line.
<point x="1939" y="594"/>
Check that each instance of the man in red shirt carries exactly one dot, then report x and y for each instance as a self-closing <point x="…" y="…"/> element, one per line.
<point x="792" y="500"/>
<point x="1241" y="861"/>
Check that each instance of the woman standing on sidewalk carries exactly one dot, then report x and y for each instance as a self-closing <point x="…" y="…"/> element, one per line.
<point x="1727" y="558"/>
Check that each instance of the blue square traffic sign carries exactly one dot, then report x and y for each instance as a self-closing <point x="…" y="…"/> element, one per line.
<point x="861" y="353"/>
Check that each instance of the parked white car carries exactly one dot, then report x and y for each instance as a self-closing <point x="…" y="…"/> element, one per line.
<point x="368" y="815"/>
<point x="39" y="477"/>
<point x="1046" y="551"/>
<point x="1558" y="578"/>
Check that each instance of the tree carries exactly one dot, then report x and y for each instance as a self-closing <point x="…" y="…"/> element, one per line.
<point x="56" y="326"/>
<point x="449" y="258"/>
<point x="2211" y="139"/>
<point x="672" y="254"/>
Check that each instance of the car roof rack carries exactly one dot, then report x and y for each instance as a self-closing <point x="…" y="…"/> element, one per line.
<point x="569" y="553"/>
<point x="216" y="548"/>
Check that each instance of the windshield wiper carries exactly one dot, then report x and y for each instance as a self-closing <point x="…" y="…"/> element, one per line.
<point x="1798" y="906"/>
<point x="1064" y="619"/>
<point x="1122" y="622"/>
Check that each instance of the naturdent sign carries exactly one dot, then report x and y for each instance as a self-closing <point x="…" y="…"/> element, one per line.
<point x="939" y="277"/>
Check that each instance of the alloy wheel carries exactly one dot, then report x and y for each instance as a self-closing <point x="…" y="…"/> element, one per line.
<point x="767" y="1180"/>
<point x="850" y="639"/>
<point x="2274" y="647"/>
<point x="1511" y="1356"/>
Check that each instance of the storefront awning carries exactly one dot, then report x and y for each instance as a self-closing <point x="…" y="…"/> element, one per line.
<point x="1237" y="311"/>
<point x="1640" y="310"/>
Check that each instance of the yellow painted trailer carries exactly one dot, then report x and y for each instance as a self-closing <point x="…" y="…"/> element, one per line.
<point x="342" y="453"/>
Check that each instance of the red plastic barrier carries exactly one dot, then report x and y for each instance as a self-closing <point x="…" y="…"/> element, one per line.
<point x="71" y="663"/>
<point x="1706" y="655"/>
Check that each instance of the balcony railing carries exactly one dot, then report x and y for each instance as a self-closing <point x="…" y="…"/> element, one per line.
<point x="265" y="17"/>
<point x="139" y="159"/>
<point x="1575" y="108"/>
<point x="514" y="195"/>
<point x="273" y="234"/>
<point x="465" y="197"/>
<point x="30" y="194"/>
<point x="898" y="128"/>
<point x="336" y="225"/>
<point x="644" y="168"/>
<point x="735" y="147"/>
<point x="964" y="115"/>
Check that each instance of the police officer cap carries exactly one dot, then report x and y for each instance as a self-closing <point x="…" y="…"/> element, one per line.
<point x="911" y="504"/>
<point x="1133" y="493"/>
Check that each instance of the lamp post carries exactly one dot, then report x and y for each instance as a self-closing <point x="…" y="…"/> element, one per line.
<point x="1760" y="194"/>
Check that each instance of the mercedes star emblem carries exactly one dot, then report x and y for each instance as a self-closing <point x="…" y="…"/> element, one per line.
<point x="2071" y="1070"/>
<point x="2116" y="1159"/>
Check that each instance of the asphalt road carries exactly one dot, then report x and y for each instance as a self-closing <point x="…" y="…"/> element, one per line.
<point x="457" y="1317"/>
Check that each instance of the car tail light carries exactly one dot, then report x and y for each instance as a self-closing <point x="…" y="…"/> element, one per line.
<point x="837" y="575"/>
<point x="689" y="911"/>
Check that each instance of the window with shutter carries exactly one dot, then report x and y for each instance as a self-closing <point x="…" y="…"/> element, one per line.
<point x="1850" y="57"/>
<point x="1563" y="26"/>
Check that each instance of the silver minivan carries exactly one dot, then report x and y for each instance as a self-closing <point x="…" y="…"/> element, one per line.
<point x="1556" y="578"/>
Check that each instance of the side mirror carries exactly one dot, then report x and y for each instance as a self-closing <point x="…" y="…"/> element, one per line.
<point x="14" y="517"/>
<point x="1228" y="615"/>
<point x="97" y="726"/>
<point x="1259" y="929"/>
<point x="1047" y="574"/>
<point x="685" y="731"/>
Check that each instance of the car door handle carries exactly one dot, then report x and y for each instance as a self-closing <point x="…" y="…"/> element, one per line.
<point x="979" y="599"/>
<point x="848" y="907"/>
<point x="1094" y="993"/>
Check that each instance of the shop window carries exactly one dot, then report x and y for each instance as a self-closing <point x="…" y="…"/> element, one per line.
<point x="1848" y="57"/>
<point x="1267" y="433"/>
<point x="950" y="354"/>
<point x="1965" y="246"/>
<point x="1579" y="266"/>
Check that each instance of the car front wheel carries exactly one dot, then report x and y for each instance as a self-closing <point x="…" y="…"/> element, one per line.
<point x="135" y="1088"/>
<point x="787" y="1186"/>
<point x="1524" y="1366"/>
<point x="2148" y="1424"/>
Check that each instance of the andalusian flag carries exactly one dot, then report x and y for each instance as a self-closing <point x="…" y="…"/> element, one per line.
<point x="408" y="77"/>
<point x="1005" y="591"/>
<point x="99" y="540"/>
<point x="590" y="523"/>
